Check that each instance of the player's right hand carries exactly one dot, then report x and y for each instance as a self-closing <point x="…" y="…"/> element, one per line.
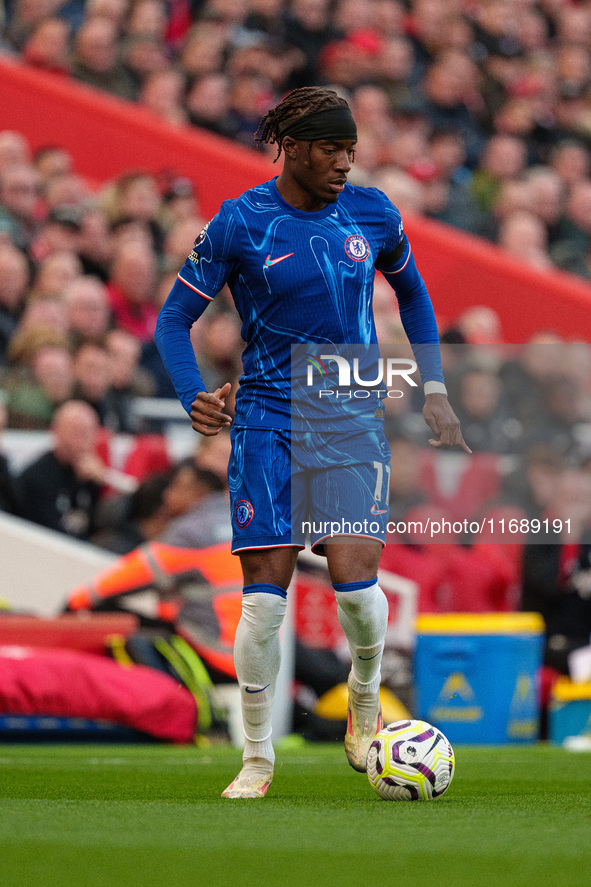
<point x="206" y="411"/>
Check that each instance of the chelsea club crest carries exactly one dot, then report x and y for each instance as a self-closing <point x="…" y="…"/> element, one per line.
<point x="243" y="513"/>
<point x="357" y="248"/>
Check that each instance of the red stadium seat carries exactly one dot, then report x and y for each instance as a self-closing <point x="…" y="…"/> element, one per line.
<point x="149" y="455"/>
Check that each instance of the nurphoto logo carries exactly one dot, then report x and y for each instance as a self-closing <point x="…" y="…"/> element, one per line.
<point x="385" y="372"/>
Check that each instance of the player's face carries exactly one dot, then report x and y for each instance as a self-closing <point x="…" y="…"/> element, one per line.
<point x="319" y="172"/>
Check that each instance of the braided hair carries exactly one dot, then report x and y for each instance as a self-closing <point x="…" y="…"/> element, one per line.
<point x="298" y="103"/>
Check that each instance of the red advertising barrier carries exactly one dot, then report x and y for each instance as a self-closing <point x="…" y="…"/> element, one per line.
<point x="461" y="271"/>
<point x="108" y="136"/>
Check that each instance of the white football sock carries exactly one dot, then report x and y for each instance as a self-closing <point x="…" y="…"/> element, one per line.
<point x="257" y="655"/>
<point x="363" y="614"/>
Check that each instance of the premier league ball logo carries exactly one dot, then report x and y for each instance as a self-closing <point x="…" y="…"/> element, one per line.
<point x="357" y="248"/>
<point x="201" y="237"/>
<point x="243" y="513"/>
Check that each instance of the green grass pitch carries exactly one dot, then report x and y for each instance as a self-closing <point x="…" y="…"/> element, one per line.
<point x="116" y="815"/>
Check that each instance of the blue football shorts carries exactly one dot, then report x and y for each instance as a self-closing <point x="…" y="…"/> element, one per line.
<point x="286" y="488"/>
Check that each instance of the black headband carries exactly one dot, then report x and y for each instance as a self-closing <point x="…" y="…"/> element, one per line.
<point x="332" y="123"/>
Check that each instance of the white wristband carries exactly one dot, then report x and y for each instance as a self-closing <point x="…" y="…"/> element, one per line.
<point x="434" y="388"/>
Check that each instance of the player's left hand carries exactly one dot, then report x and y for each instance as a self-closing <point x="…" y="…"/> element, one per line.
<point x="444" y="423"/>
<point x="206" y="411"/>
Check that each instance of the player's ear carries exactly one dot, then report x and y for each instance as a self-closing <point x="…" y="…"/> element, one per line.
<point x="290" y="147"/>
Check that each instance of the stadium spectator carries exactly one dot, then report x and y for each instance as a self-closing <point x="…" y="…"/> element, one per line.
<point x="96" y="59"/>
<point x="128" y="379"/>
<point x="402" y="189"/>
<point x="58" y="233"/>
<point x="447" y="200"/>
<point x="147" y="17"/>
<point x="572" y="161"/>
<point x="45" y="312"/>
<point x="179" y="202"/>
<point x="14" y="150"/>
<point x="572" y="66"/>
<point x="37" y="386"/>
<point x="213" y="454"/>
<point x="513" y="196"/>
<point x="92" y="384"/>
<point x="14" y="282"/>
<point x="573" y="237"/>
<point x="447" y="152"/>
<point x="204" y="48"/>
<point x="394" y="62"/>
<point x="113" y="10"/>
<point x="524" y="236"/>
<point x="163" y="93"/>
<point x="69" y="190"/>
<point x="135" y="197"/>
<point x="486" y="421"/>
<point x="60" y="490"/>
<point x="533" y="483"/>
<point x="556" y="572"/>
<point x="127" y="520"/>
<point x="208" y="103"/>
<point x="547" y="194"/>
<point x="89" y="314"/>
<point x="562" y="412"/>
<point x="480" y="325"/>
<point x="457" y="578"/>
<point x="130" y="232"/>
<point x="95" y="243"/>
<point x="249" y="96"/>
<point x="348" y="63"/>
<point x="526" y="375"/>
<point x="308" y="28"/>
<point x="197" y="505"/>
<point x="19" y="202"/>
<point x="55" y="272"/>
<point x="47" y="46"/>
<point x="131" y="290"/>
<point x="504" y="157"/>
<point x="445" y="95"/>
<point x="179" y="242"/>
<point x="51" y="161"/>
<point x="142" y="55"/>
<point x="503" y="66"/>
<point x="25" y="16"/>
<point x="405" y="486"/>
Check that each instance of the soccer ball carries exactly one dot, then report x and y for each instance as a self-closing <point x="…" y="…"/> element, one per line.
<point x="410" y="761"/>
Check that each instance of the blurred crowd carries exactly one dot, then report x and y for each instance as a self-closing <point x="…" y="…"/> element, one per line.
<point x="473" y="112"/>
<point x="82" y="276"/>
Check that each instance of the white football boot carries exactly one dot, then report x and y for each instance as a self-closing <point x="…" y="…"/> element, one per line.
<point x="253" y="781"/>
<point x="364" y="720"/>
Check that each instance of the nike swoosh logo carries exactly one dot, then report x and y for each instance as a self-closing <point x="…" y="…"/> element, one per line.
<point x="269" y="261"/>
<point x="368" y="658"/>
<point x="375" y="510"/>
<point x="260" y="689"/>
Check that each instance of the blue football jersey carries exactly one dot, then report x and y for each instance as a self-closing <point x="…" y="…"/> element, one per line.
<point x="296" y="277"/>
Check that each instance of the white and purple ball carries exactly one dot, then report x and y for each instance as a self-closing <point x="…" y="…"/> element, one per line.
<point x="410" y="761"/>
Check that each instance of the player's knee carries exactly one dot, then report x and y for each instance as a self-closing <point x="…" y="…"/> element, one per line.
<point x="263" y="608"/>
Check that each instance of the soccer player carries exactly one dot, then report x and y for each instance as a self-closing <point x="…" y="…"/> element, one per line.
<point x="299" y="254"/>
